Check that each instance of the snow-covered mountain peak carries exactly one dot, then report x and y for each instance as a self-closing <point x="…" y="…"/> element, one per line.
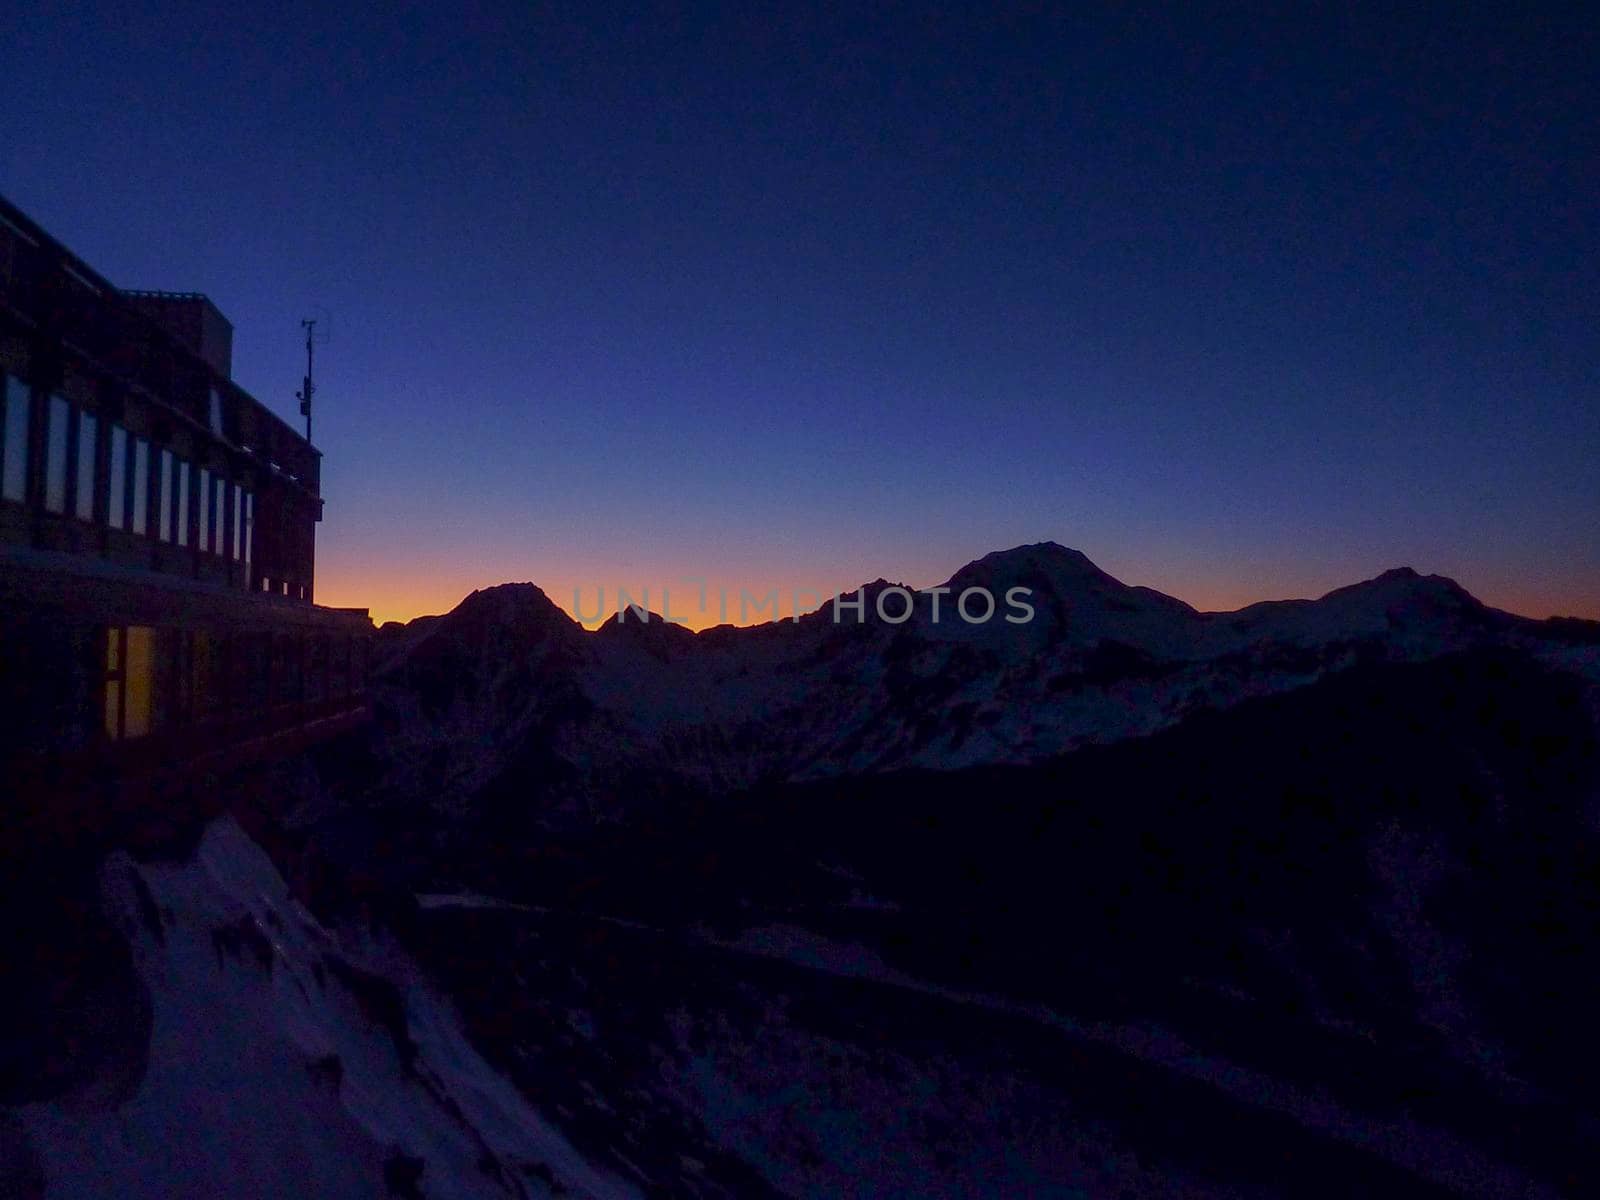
<point x="1062" y="566"/>
<point x="1052" y="570"/>
<point x="1406" y="584"/>
<point x="647" y="630"/>
<point x="1075" y="602"/>
<point x="508" y="621"/>
<point x="1400" y="604"/>
<point x="522" y="604"/>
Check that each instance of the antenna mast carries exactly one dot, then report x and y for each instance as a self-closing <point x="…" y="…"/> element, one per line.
<point x="305" y="393"/>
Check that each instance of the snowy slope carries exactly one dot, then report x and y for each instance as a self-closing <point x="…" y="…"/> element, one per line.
<point x="285" y="1062"/>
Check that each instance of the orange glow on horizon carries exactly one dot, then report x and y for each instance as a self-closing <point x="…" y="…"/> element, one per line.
<point x="405" y="595"/>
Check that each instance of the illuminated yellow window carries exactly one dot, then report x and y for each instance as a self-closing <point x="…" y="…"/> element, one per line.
<point x="138" y="680"/>
<point x="129" y="681"/>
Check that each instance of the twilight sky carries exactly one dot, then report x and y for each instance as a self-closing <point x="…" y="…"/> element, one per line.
<point x="1242" y="309"/>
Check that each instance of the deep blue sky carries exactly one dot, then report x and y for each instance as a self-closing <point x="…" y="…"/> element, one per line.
<point x="1242" y="307"/>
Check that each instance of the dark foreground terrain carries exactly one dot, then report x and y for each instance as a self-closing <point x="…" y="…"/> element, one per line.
<point x="1297" y="902"/>
<point x="1337" y="942"/>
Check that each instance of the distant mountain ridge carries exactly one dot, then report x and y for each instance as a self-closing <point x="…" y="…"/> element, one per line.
<point x="1066" y="579"/>
<point x="1315" y="875"/>
<point x="509" y="691"/>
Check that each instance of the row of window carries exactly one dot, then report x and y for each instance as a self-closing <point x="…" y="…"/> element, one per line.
<point x="158" y="678"/>
<point x="224" y="512"/>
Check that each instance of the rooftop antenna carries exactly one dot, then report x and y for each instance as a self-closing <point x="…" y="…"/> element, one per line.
<point x="308" y="388"/>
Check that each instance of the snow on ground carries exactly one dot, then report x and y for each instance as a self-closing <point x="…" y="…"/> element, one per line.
<point x="1432" y="1153"/>
<point x="800" y="946"/>
<point x="463" y="900"/>
<point x="286" y="1062"/>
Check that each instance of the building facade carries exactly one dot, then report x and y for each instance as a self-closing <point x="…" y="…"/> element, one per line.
<point x="157" y="541"/>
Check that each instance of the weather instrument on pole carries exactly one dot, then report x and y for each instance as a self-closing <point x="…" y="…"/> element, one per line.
<point x="308" y="388"/>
